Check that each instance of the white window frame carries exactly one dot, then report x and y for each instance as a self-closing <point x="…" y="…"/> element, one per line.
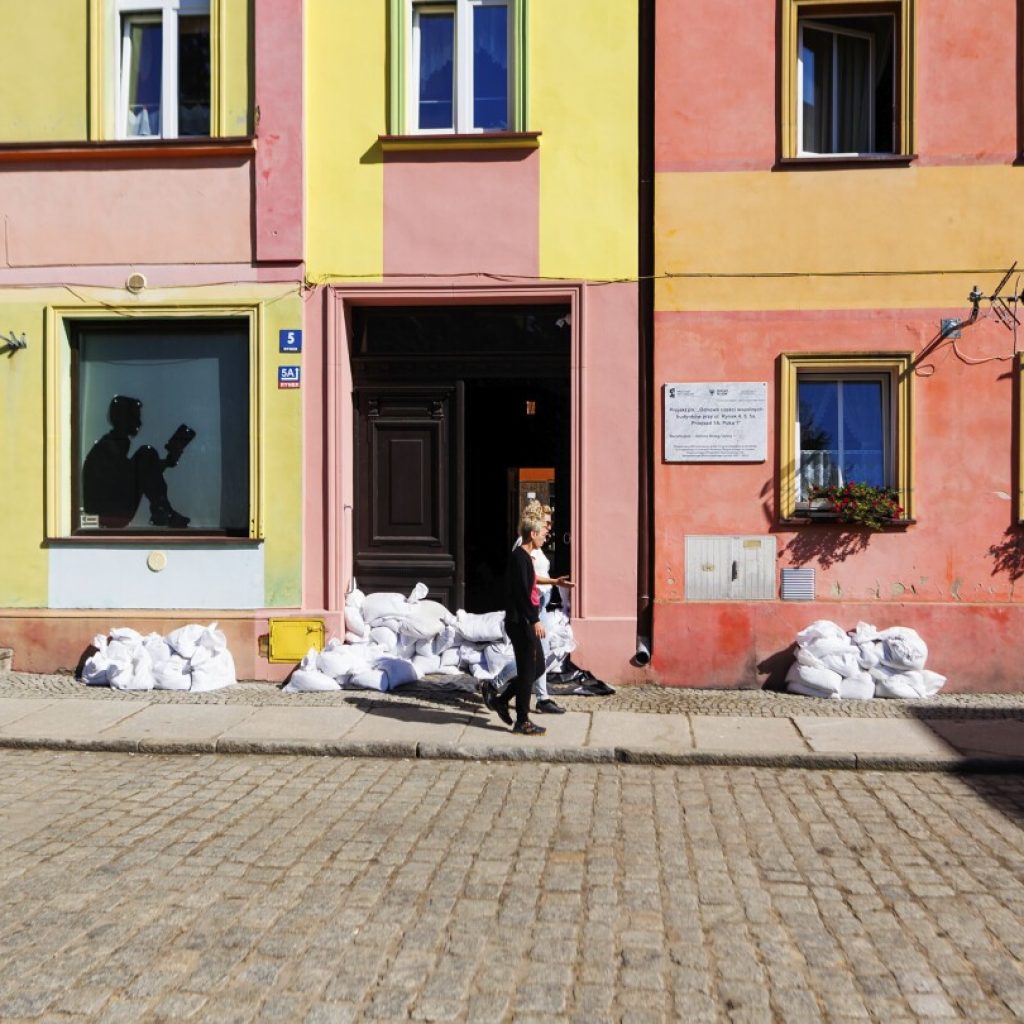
<point x="463" y="64"/>
<point x="834" y="31"/>
<point x="167" y="12"/>
<point x="888" y="416"/>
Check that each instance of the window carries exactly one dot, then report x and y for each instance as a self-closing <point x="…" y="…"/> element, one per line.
<point x="462" y="64"/>
<point x="844" y="419"/>
<point x="164" y="78"/>
<point x="846" y="71"/>
<point x="160" y="426"/>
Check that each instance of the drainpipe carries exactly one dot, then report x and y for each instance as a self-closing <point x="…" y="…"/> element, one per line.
<point x="645" y="334"/>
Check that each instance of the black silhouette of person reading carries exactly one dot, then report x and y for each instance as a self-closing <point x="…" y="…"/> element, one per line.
<point x="113" y="485"/>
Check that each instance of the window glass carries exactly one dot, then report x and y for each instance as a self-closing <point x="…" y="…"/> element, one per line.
<point x="437" y="69"/>
<point x="194" y="75"/>
<point x="847" y="84"/>
<point x="841" y="433"/>
<point x="162" y="426"/>
<point x="490" y="67"/>
<point x="143" y="43"/>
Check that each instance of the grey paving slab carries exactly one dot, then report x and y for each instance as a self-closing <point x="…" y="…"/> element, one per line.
<point x="299" y="723"/>
<point x="570" y="729"/>
<point x="14" y="708"/>
<point x="69" y="719"/>
<point x="409" y="724"/>
<point x="994" y="737"/>
<point x="753" y="735"/>
<point x="179" y="723"/>
<point x="639" y="731"/>
<point x="879" y="736"/>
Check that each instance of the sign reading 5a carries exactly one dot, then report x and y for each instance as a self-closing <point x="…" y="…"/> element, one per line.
<point x="289" y="376"/>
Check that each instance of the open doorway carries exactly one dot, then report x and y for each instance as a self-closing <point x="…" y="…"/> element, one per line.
<point x="460" y="414"/>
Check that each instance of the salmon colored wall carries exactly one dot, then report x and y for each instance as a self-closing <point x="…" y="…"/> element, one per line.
<point x="965" y="548"/>
<point x="110" y="212"/>
<point x="717" y="83"/>
<point x="462" y="212"/>
<point x="43" y="57"/>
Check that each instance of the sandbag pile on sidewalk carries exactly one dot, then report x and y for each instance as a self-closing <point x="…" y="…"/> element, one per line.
<point x="392" y="640"/>
<point x="194" y="658"/>
<point x="863" y="663"/>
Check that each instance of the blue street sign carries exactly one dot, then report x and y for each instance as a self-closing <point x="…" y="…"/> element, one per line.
<point x="290" y="341"/>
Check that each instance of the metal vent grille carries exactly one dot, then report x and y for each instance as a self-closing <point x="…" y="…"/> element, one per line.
<point x="797" y="584"/>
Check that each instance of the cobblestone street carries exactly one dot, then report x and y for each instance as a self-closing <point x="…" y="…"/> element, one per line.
<point x="220" y="888"/>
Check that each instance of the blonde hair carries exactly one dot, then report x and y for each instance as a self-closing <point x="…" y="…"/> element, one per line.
<point x="529" y="526"/>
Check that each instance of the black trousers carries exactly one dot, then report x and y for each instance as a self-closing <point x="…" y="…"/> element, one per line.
<point x="529" y="665"/>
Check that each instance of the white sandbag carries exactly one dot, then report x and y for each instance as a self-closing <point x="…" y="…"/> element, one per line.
<point x="307" y="678"/>
<point x="338" y="663"/>
<point x="126" y="635"/>
<point x="385" y="637"/>
<point x="158" y="648"/>
<point x="425" y="620"/>
<point x="859" y="686"/>
<point x="913" y="684"/>
<point x="846" y="664"/>
<point x="485" y="628"/>
<point x="132" y="673"/>
<point x="399" y="672"/>
<point x="813" y="682"/>
<point x="355" y="598"/>
<point x="863" y="633"/>
<point x="211" y="664"/>
<point x="450" y="658"/>
<point x="903" y="648"/>
<point x="419" y="592"/>
<point x="823" y="646"/>
<point x="172" y="674"/>
<point x="183" y="641"/>
<point x="479" y="671"/>
<point x="817" y="630"/>
<point x="498" y="655"/>
<point x="379" y="606"/>
<point x="367" y="679"/>
<point x="354" y="638"/>
<point x="426" y="663"/>
<point x="470" y="655"/>
<point x="94" y="671"/>
<point x="354" y="622"/>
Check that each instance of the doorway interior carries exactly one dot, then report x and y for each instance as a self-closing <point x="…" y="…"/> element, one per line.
<point x="462" y="414"/>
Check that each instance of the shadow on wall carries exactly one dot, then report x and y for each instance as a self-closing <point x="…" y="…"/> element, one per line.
<point x="775" y="667"/>
<point x="1008" y="555"/>
<point x="826" y="544"/>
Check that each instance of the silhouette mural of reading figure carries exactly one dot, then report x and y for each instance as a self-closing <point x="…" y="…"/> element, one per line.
<point x="113" y="484"/>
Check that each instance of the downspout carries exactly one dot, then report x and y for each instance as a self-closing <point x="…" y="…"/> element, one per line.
<point x="645" y="333"/>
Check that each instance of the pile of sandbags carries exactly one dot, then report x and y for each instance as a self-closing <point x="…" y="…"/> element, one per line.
<point x="392" y="640"/>
<point x="863" y="663"/>
<point x="194" y="658"/>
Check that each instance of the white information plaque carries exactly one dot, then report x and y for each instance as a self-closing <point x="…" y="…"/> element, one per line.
<point x="716" y="422"/>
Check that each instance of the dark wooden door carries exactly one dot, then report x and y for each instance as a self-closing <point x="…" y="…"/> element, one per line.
<point x="408" y="516"/>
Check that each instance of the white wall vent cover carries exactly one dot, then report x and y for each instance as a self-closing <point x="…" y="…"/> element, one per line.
<point x="797" y="584"/>
<point x="730" y="568"/>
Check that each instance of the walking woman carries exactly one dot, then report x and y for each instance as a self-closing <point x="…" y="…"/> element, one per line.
<point x="522" y="623"/>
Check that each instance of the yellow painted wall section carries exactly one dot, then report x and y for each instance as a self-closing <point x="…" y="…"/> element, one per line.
<point x="795" y="237"/>
<point x="282" y="462"/>
<point x="24" y="572"/>
<point x="238" y="69"/>
<point x="23" y="563"/>
<point x="346" y="109"/>
<point x="582" y="95"/>
<point x="43" y="60"/>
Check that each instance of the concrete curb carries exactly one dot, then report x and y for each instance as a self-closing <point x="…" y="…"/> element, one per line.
<point x="408" y="750"/>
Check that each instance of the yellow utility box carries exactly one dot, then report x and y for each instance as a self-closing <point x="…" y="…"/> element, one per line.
<point x="291" y="638"/>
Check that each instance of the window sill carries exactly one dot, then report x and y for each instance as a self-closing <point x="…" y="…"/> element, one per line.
<point x="122" y="149"/>
<point x="474" y="140"/>
<point x="150" y="540"/>
<point x="817" y="163"/>
<point x="827" y="518"/>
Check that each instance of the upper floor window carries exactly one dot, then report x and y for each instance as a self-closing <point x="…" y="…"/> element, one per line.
<point x="461" y="68"/>
<point x="164" y="81"/>
<point x="846" y="78"/>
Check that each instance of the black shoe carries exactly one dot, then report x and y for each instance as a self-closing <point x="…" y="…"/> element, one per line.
<point x="528" y="728"/>
<point x="488" y="694"/>
<point x="549" y="707"/>
<point x="168" y="517"/>
<point x="500" y="708"/>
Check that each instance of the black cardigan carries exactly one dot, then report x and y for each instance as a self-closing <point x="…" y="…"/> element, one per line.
<point x="519" y="582"/>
